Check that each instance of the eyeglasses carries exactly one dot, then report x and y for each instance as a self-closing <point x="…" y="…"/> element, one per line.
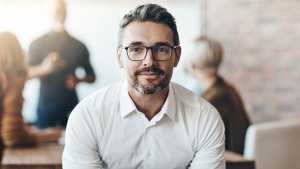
<point x="159" y="52"/>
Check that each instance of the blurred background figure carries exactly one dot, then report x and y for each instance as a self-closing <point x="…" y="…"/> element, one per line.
<point x="13" y="74"/>
<point x="54" y="58"/>
<point x="203" y="66"/>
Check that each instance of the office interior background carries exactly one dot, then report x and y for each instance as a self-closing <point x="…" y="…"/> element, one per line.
<point x="261" y="40"/>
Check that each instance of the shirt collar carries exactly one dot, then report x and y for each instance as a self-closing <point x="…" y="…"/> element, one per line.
<point x="127" y="106"/>
<point x="169" y="107"/>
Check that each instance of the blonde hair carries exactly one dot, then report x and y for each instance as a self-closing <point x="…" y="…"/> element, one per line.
<point x="208" y="55"/>
<point x="12" y="60"/>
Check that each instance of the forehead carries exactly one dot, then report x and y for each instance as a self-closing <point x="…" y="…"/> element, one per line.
<point x="146" y="33"/>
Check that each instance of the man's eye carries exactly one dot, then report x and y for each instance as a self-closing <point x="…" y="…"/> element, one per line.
<point x="135" y="49"/>
<point x="162" y="49"/>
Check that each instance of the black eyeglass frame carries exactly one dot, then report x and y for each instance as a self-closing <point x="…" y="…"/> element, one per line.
<point x="147" y="48"/>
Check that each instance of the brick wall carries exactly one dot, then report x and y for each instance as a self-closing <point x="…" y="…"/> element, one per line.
<point x="262" y="53"/>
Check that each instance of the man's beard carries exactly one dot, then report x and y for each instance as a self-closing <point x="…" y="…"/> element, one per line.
<point x="149" y="88"/>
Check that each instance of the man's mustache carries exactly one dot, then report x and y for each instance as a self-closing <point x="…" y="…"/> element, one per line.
<point x="150" y="69"/>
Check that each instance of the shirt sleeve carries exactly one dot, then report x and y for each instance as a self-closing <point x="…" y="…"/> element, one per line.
<point x="81" y="145"/>
<point x="210" y="142"/>
<point x="35" y="55"/>
<point x="86" y="62"/>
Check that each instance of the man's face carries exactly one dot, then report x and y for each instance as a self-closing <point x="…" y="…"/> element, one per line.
<point x="149" y="75"/>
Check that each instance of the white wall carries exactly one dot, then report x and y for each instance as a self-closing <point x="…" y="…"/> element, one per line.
<point x="96" y="24"/>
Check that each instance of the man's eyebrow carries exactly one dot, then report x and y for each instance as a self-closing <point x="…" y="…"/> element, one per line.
<point x="138" y="43"/>
<point x="163" y="43"/>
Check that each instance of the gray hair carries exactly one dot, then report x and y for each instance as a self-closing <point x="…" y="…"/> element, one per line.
<point x="150" y="12"/>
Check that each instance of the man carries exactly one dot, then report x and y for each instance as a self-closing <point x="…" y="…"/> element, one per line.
<point x="204" y="67"/>
<point x="53" y="58"/>
<point x="146" y="121"/>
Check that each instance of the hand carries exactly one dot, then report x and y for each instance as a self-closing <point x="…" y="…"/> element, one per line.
<point x="50" y="63"/>
<point x="49" y="135"/>
<point x="48" y="66"/>
<point x="71" y="81"/>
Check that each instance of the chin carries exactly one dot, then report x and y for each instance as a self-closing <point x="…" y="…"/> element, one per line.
<point x="148" y="91"/>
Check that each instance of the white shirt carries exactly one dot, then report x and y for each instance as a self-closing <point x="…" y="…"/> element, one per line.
<point x="105" y="130"/>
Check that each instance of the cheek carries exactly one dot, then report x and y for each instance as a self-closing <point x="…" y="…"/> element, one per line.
<point x="168" y="68"/>
<point x="122" y="61"/>
<point x="130" y="67"/>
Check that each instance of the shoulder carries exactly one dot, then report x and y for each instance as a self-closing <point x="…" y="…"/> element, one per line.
<point x="188" y="99"/>
<point x="38" y="45"/>
<point x="200" y="117"/>
<point x="95" y="111"/>
<point x="105" y="98"/>
<point x="40" y="40"/>
<point x="221" y="91"/>
<point x="225" y="92"/>
<point x="76" y="42"/>
<point x="195" y="109"/>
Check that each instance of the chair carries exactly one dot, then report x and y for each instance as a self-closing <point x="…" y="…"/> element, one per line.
<point x="274" y="145"/>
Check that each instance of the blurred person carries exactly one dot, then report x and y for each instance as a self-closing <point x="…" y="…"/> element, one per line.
<point x="13" y="74"/>
<point x="146" y="121"/>
<point x="192" y="84"/>
<point x="54" y="58"/>
<point x="204" y="67"/>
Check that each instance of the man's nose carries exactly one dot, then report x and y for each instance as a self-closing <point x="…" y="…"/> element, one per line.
<point x="149" y="59"/>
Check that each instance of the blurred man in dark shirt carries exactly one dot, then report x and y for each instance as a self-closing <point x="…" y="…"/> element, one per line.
<point x="53" y="58"/>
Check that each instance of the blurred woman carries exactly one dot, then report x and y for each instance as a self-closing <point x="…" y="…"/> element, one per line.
<point x="13" y="74"/>
<point x="204" y="67"/>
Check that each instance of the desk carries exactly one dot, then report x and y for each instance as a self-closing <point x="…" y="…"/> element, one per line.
<point x="44" y="156"/>
<point x="237" y="161"/>
<point x="48" y="156"/>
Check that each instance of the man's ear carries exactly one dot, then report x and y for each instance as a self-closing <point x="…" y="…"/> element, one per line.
<point x="119" y="60"/>
<point x="177" y="53"/>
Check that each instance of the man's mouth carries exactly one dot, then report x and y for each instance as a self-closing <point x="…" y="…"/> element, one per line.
<point x="149" y="73"/>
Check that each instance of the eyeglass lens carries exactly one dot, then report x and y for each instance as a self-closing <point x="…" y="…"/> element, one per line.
<point x="160" y="52"/>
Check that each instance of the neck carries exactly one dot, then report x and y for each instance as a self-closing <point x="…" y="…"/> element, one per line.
<point x="59" y="27"/>
<point x="149" y="104"/>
